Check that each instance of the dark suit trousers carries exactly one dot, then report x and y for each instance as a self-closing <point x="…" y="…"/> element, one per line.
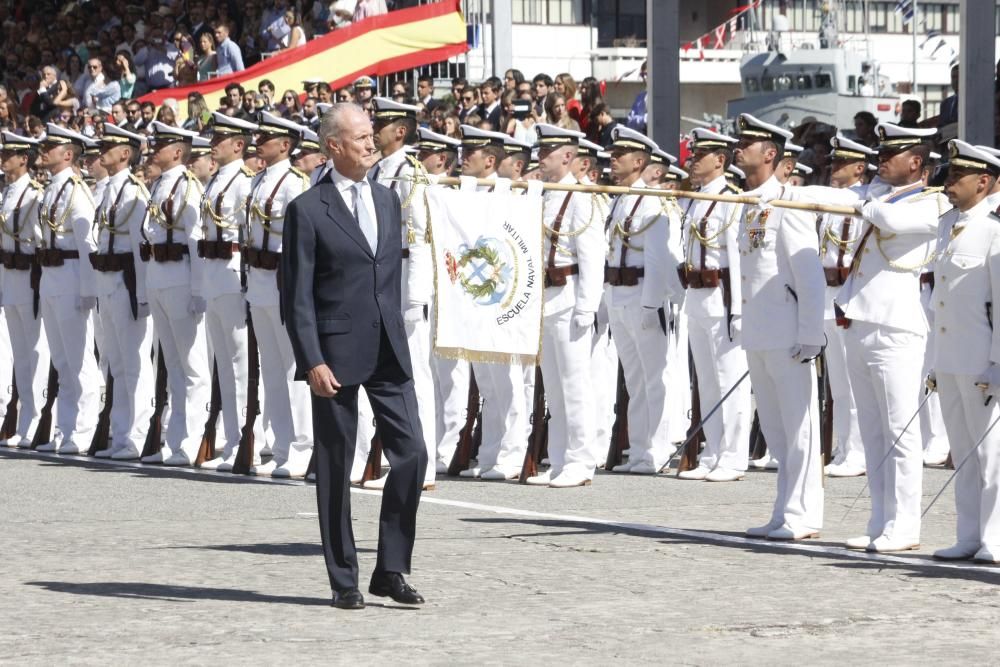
<point x="335" y="427"/>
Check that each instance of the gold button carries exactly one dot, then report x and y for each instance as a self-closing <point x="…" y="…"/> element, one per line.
<point x="943" y="278"/>
<point x="940" y="303"/>
<point x="943" y="329"/>
<point x="744" y="300"/>
<point x="743" y="277"/>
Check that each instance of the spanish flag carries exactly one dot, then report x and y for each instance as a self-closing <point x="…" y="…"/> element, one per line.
<point x="380" y="45"/>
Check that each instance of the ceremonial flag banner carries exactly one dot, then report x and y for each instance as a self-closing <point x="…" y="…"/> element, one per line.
<point x="380" y="45"/>
<point x="489" y="273"/>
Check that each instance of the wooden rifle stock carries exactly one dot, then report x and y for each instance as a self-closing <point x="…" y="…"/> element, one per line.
<point x="9" y="427"/>
<point x="539" y="431"/>
<point x="154" y="437"/>
<point x="103" y="431"/>
<point x="43" y="433"/>
<point x="245" y="451"/>
<point x="463" y="452"/>
<point x="689" y="457"/>
<point x="619" y="430"/>
<point x="206" y="452"/>
<point x="373" y="467"/>
<point x="758" y="446"/>
<point x="825" y="410"/>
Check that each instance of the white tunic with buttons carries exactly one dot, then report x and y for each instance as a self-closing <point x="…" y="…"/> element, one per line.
<point x="581" y="242"/>
<point x="227" y="215"/>
<point x="15" y="286"/>
<point x="68" y="212"/>
<point x="123" y="207"/>
<point x="187" y="230"/>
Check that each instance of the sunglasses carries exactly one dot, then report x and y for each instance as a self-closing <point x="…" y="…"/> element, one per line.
<point x="290" y="98"/>
<point x="468" y="98"/>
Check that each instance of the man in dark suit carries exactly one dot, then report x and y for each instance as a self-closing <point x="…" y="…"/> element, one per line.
<point x="340" y="272"/>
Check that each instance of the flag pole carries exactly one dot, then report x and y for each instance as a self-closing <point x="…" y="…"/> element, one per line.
<point x="913" y="31"/>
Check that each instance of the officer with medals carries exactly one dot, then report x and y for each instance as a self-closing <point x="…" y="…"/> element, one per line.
<point x="573" y="253"/>
<point x="711" y="271"/>
<point x="782" y="332"/>
<point x="223" y="218"/>
<point x="288" y="407"/>
<point x="20" y="235"/>
<point x="68" y="290"/>
<point x="967" y="348"/>
<point x="638" y="278"/>
<point x="174" y="279"/>
<point x="123" y="306"/>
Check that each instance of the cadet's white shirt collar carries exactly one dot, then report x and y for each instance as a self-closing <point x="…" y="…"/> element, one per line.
<point x="117" y="178"/>
<point x="58" y="177"/>
<point x="568" y="178"/>
<point x="22" y="180"/>
<point x="767" y="186"/>
<point x="277" y="167"/>
<point x="980" y="210"/>
<point x="174" y="172"/>
<point x="715" y="184"/>
<point x="230" y="168"/>
<point x="393" y="158"/>
<point x="897" y="188"/>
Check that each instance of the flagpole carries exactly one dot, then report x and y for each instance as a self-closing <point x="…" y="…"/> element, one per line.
<point x="913" y="31"/>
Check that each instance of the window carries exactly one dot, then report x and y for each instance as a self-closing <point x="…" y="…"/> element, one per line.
<point x="824" y="80"/>
<point x="551" y="12"/>
<point x="767" y="83"/>
<point x="618" y="21"/>
<point x="783" y="82"/>
<point x="751" y="85"/>
<point x="803" y="82"/>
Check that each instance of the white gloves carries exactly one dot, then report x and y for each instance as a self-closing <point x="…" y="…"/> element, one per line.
<point x="650" y="318"/>
<point x="581" y="324"/>
<point x="989" y="382"/>
<point x="805" y="353"/>
<point x="414" y="312"/>
<point x="85" y="303"/>
<point x="197" y="305"/>
<point x="142" y="310"/>
<point x="735" y="328"/>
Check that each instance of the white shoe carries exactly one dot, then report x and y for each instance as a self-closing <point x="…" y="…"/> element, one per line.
<point x="178" y="459"/>
<point x="844" y="470"/>
<point x="987" y="554"/>
<point x="698" y="474"/>
<point x="623" y="467"/>
<point x="935" y="458"/>
<point x="46" y="447"/>
<point x="885" y="544"/>
<point x="377" y="484"/>
<point x="786" y="533"/>
<point x="441" y="468"/>
<point x="643" y="468"/>
<point x="500" y="473"/>
<point x="127" y="453"/>
<point x="957" y="552"/>
<point x="285" y="471"/>
<point x="219" y="463"/>
<point x="767" y="462"/>
<point x="24" y="443"/>
<point x="103" y="454"/>
<point x="545" y="462"/>
<point x="721" y="474"/>
<point x="471" y="472"/>
<point x="71" y="448"/>
<point x="568" y="480"/>
<point x="156" y="457"/>
<point x="860" y="543"/>
<point x="627" y="451"/>
<point x="265" y="469"/>
<point x="762" y="531"/>
<point x="542" y="479"/>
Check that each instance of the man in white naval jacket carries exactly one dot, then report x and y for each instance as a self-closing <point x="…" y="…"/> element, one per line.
<point x="173" y="285"/>
<point x="287" y="405"/>
<point x="68" y="291"/>
<point x="639" y="274"/>
<point x="782" y="332"/>
<point x="967" y="348"/>
<point x="223" y="217"/>
<point x="123" y="306"/>
<point x="886" y="332"/>
<point x="711" y="271"/>
<point x="573" y="253"/>
<point x="20" y="237"/>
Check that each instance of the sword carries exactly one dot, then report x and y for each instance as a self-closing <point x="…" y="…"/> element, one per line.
<point x="959" y="467"/>
<point x="694" y="432"/>
<point x="920" y="407"/>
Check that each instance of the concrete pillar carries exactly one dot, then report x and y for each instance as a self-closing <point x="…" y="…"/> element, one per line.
<point x="663" y="49"/>
<point x="976" y="72"/>
<point x="502" y="36"/>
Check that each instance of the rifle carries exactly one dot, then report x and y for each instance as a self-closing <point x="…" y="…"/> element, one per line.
<point x="103" y="431"/>
<point x="539" y="431"/>
<point x="825" y="410"/>
<point x="154" y="437"/>
<point x="463" y="452"/>
<point x="758" y="446"/>
<point x="43" y="433"/>
<point x="619" y="430"/>
<point x="245" y="451"/>
<point x="373" y="467"/>
<point x="206" y="452"/>
<point x="9" y="427"/>
<point x="689" y="456"/>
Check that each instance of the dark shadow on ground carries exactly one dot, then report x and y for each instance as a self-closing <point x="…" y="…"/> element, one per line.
<point x="146" y="591"/>
<point x="267" y="549"/>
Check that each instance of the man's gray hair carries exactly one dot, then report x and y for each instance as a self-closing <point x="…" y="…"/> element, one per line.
<point x="331" y="123"/>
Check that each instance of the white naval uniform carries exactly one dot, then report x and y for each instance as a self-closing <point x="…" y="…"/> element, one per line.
<point x="28" y="345"/>
<point x="603" y="363"/>
<point x="565" y="351"/>
<point x="967" y="341"/>
<point x="416" y="297"/>
<point x="287" y="406"/>
<point x="643" y="352"/>
<point x="97" y="194"/>
<point x="782" y="306"/>
<point x="885" y="344"/>
<point x="68" y="211"/>
<point x="711" y="244"/>
<point x="127" y="339"/>
<point x="226" y="316"/>
<point x="171" y="287"/>
<point x="933" y="433"/>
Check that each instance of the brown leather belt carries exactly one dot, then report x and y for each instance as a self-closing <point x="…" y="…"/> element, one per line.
<point x="259" y="258"/>
<point x="55" y="256"/>
<point x="110" y="262"/>
<point x="700" y="278"/>
<point x="555" y="276"/>
<point x="927" y="279"/>
<point x="163" y="252"/>
<point x="217" y="249"/>
<point x="835" y="277"/>
<point x="840" y="318"/>
<point x="406" y="253"/>
<point x="16" y="261"/>
<point x="625" y="276"/>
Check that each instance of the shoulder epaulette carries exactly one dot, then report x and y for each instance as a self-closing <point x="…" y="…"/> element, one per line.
<point x="927" y="192"/>
<point x="994" y="216"/>
<point x="139" y="184"/>
<point x="247" y="171"/>
<point x="32" y="183"/>
<point x="298" y="172"/>
<point x="732" y="189"/>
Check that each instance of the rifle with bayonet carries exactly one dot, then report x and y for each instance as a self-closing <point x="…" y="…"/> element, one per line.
<point x="538" y="440"/>
<point x="619" y="429"/>
<point x="43" y="433"/>
<point x="103" y="431"/>
<point x="206" y="451"/>
<point x="9" y="427"/>
<point x="154" y="437"/>
<point x="245" y="451"/>
<point x="466" y="437"/>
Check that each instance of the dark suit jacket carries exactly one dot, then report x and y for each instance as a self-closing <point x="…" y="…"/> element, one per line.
<point x="335" y="295"/>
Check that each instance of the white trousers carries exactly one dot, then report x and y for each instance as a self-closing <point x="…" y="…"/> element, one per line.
<point x="70" y="334"/>
<point x="604" y="385"/>
<point x="565" y="374"/>
<point x="505" y="415"/>
<point x="287" y="403"/>
<point x="884" y="364"/>
<point x="127" y="345"/>
<point x="977" y="484"/>
<point x="847" y="436"/>
<point x="643" y="354"/>
<point x="787" y="405"/>
<point x="189" y="379"/>
<point x="933" y="433"/>
<point x="226" y="323"/>
<point x="418" y="339"/>
<point x="720" y="363"/>
<point x="451" y="386"/>
<point x="30" y="365"/>
<point x="678" y="375"/>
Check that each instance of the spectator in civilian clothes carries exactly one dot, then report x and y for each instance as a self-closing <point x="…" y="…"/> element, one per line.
<point x="555" y="112"/>
<point x="565" y="85"/>
<point x="512" y="78"/>
<point x="126" y="76"/>
<point x="207" y="63"/>
<point x="289" y="105"/>
<point x="102" y="92"/>
<point x="296" y="35"/>
<point x="229" y="56"/>
<point x="489" y="109"/>
<point x="367" y="8"/>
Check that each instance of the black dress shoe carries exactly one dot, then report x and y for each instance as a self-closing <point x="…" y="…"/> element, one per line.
<point x="392" y="584"/>
<point x="348" y="598"/>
